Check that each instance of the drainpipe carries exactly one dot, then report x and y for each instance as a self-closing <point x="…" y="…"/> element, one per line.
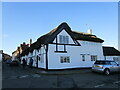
<point x="46" y="57"/>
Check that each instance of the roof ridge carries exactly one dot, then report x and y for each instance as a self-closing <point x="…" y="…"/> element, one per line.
<point x="84" y="33"/>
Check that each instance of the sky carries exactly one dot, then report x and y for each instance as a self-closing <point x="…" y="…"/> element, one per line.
<point x="24" y="20"/>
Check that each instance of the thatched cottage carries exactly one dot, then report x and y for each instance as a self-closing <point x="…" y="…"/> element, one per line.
<point x="63" y="48"/>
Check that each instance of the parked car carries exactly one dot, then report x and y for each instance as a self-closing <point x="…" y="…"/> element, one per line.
<point x="14" y="63"/>
<point x="105" y="66"/>
<point x="8" y="61"/>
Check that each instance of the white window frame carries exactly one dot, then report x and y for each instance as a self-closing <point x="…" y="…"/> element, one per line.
<point x="63" y="39"/>
<point x="65" y="59"/>
<point x="93" y="57"/>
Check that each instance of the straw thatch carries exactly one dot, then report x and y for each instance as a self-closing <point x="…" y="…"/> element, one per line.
<point x="49" y="37"/>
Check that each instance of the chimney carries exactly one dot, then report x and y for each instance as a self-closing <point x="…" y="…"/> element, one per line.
<point x="30" y="42"/>
<point x="24" y="43"/>
<point x="90" y="31"/>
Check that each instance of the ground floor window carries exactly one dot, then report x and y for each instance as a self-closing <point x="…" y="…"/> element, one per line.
<point x="65" y="59"/>
<point x="93" y="57"/>
<point x="83" y="57"/>
<point x="115" y="58"/>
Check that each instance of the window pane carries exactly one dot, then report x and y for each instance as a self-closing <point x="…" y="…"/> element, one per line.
<point x="68" y="60"/>
<point x="93" y="58"/>
<point x="107" y="63"/>
<point x="113" y="63"/>
<point x="64" y="59"/>
<point x="83" y="57"/>
<point x="61" y="59"/>
<point x="67" y="40"/>
<point x="64" y="39"/>
<point x="60" y="37"/>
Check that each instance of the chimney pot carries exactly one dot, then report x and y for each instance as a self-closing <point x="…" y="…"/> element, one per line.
<point x="90" y="31"/>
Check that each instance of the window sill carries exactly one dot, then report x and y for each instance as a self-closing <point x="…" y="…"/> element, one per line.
<point x="60" y="51"/>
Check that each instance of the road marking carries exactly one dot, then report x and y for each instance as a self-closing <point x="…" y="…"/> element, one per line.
<point x="99" y="85"/>
<point x="36" y="75"/>
<point x="116" y="82"/>
<point x="24" y="76"/>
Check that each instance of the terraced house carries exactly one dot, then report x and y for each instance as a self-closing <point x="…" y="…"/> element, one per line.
<point x="63" y="48"/>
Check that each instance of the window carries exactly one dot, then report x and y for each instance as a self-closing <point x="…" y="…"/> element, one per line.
<point x="93" y="57"/>
<point x="64" y="39"/>
<point x="115" y="58"/>
<point x="113" y="63"/>
<point x="65" y="59"/>
<point x="83" y="57"/>
<point x="107" y="63"/>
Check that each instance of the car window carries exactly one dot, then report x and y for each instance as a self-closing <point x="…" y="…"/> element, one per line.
<point x="113" y="63"/>
<point x="107" y="63"/>
<point x="100" y="62"/>
<point x="97" y="62"/>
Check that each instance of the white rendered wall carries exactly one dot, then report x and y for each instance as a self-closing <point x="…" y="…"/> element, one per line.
<point x="87" y="48"/>
<point x="109" y="57"/>
<point x="28" y="57"/>
<point x="119" y="60"/>
<point x="42" y="61"/>
<point x="40" y="53"/>
<point x="64" y="33"/>
<point x="75" y="57"/>
<point x="34" y="57"/>
<point x="22" y="59"/>
<point x="13" y="57"/>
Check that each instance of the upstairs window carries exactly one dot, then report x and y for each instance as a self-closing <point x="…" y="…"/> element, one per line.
<point x="64" y="39"/>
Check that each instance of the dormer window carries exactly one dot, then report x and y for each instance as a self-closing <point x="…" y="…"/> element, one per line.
<point x="64" y="39"/>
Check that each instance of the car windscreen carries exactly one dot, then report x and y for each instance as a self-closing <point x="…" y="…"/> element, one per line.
<point x="100" y="62"/>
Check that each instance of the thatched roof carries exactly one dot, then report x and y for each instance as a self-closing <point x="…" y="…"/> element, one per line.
<point x="110" y="51"/>
<point x="49" y="37"/>
<point x="86" y="37"/>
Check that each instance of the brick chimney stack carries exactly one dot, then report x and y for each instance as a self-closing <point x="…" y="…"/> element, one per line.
<point x="30" y="42"/>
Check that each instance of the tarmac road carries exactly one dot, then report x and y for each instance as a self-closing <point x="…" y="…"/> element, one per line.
<point x="17" y="77"/>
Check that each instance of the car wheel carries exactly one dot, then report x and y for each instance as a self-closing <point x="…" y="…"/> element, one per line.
<point x="107" y="72"/>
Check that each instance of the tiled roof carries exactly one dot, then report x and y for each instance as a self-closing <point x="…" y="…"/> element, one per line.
<point x="110" y="51"/>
